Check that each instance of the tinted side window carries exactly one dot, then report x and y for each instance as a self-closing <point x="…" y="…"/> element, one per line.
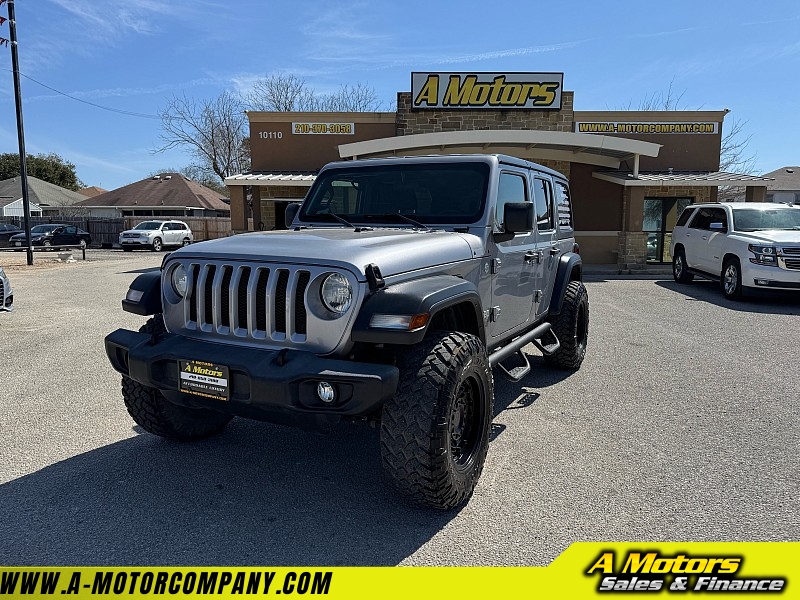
<point x="543" y="203"/>
<point x="564" y="204"/>
<point x="706" y="216"/>
<point x="684" y="217"/>
<point x="510" y="188"/>
<point x="71" y="230"/>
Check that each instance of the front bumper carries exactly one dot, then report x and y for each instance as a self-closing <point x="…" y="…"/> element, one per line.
<point x="760" y="276"/>
<point x="272" y="385"/>
<point x="135" y="242"/>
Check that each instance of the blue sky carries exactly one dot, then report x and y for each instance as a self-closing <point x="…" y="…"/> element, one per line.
<point x="133" y="55"/>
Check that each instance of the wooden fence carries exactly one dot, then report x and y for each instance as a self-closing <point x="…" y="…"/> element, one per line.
<point x="105" y="231"/>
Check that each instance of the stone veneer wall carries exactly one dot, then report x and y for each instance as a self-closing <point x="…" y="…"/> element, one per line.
<point x="432" y="120"/>
<point x="271" y="193"/>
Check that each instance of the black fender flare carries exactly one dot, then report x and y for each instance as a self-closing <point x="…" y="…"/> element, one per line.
<point x="144" y="295"/>
<point x="429" y="295"/>
<point x="568" y="262"/>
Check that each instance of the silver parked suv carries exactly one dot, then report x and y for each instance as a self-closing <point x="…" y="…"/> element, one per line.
<point x="743" y="245"/>
<point x="398" y="287"/>
<point x="155" y="235"/>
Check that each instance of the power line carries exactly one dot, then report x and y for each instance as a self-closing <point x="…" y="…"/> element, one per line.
<point x="108" y="108"/>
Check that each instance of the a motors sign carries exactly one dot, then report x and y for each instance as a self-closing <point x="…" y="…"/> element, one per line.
<point x="498" y="91"/>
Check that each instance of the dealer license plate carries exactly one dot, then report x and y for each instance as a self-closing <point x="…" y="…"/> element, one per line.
<point x="204" y="379"/>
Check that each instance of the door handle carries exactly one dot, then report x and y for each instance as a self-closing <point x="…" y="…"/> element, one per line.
<point x="532" y="256"/>
<point x="705" y="237"/>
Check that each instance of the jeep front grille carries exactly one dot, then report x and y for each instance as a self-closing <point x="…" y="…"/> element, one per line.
<point x="255" y="303"/>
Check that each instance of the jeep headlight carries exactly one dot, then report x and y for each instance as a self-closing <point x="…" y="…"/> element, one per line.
<point x="337" y="294"/>
<point x="179" y="280"/>
<point x="764" y="255"/>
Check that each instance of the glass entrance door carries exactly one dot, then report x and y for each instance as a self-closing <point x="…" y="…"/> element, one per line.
<point x="660" y="215"/>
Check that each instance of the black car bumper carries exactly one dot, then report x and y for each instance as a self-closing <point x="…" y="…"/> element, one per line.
<point x="278" y="386"/>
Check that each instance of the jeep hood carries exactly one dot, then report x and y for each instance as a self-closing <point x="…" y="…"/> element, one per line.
<point x="393" y="250"/>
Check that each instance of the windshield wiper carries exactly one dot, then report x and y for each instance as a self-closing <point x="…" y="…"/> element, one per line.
<point x="335" y="216"/>
<point x="401" y="216"/>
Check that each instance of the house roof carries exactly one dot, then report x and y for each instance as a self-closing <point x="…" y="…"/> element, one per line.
<point x="160" y="191"/>
<point x="92" y="191"/>
<point x="786" y="179"/>
<point x="40" y="192"/>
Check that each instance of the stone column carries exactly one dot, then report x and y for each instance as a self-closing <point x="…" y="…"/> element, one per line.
<point x="755" y="193"/>
<point x="256" y="195"/>
<point x="632" y="249"/>
<point x="238" y="208"/>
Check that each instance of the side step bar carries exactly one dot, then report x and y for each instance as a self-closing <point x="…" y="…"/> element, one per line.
<point x="532" y="337"/>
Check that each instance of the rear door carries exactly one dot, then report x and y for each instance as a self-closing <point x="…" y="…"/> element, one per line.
<point x="544" y="261"/>
<point x="513" y="278"/>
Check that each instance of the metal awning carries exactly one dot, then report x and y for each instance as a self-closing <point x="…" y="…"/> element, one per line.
<point x="681" y="178"/>
<point x="588" y="148"/>
<point x="266" y="178"/>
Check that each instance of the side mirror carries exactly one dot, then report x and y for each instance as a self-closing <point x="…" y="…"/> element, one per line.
<point x="58" y="231"/>
<point x="291" y="212"/>
<point x="517" y="218"/>
<point x="716" y="226"/>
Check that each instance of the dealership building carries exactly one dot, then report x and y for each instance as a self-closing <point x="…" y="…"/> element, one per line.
<point x="630" y="172"/>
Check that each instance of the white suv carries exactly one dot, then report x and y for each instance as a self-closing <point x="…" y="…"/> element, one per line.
<point x="744" y="245"/>
<point x="155" y="235"/>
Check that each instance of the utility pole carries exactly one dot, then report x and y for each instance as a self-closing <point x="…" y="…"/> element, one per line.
<point x="23" y="167"/>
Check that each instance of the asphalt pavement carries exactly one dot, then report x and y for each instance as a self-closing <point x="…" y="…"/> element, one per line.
<point x="682" y="424"/>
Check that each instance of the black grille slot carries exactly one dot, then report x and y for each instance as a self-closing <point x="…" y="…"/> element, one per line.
<point x="299" y="302"/>
<point x="208" y="294"/>
<point x="241" y="297"/>
<point x="261" y="300"/>
<point x="793" y="264"/>
<point x="192" y="299"/>
<point x="280" y="301"/>
<point x="225" y="296"/>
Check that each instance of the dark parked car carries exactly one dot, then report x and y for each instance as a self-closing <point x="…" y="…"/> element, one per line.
<point x="6" y="231"/>
<point x="53" y="235"/>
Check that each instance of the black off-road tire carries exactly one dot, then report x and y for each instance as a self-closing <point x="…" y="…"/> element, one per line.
<point x="154" y="413"/>
<point x="435" y="430"/>
<point x="680" y="270"/>
<point x="571" y="326"/>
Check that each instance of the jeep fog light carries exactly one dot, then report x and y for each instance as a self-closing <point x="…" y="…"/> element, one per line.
<point x="326" y="392"/>
<point x="337" y="295"/>
<point x="179" y="280"/>
<point x="405" y="322"/>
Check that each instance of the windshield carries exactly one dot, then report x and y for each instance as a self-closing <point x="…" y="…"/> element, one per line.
<point x="149" y="225"/>
<point x="423" y="193"/>
<point x="772" y="218"/>
<point x="43" y="228"/>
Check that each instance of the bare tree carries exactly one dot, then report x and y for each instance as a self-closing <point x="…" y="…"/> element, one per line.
<point x="214" y="131"/>
<point x="285" y="93"/>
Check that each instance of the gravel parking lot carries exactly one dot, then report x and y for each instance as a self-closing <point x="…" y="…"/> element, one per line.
<point x="681" y="425"/>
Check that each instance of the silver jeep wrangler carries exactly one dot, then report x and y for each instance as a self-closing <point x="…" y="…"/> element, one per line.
<point x="400" y="284"/>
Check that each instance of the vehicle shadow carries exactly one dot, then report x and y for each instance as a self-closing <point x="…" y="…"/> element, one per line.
<point x="258" y="494"/>
<point x="774" y="303"/>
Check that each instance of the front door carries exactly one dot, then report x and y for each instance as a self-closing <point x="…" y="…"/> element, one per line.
<point x="514" y="277"/>
<point x="660" y="216"/>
